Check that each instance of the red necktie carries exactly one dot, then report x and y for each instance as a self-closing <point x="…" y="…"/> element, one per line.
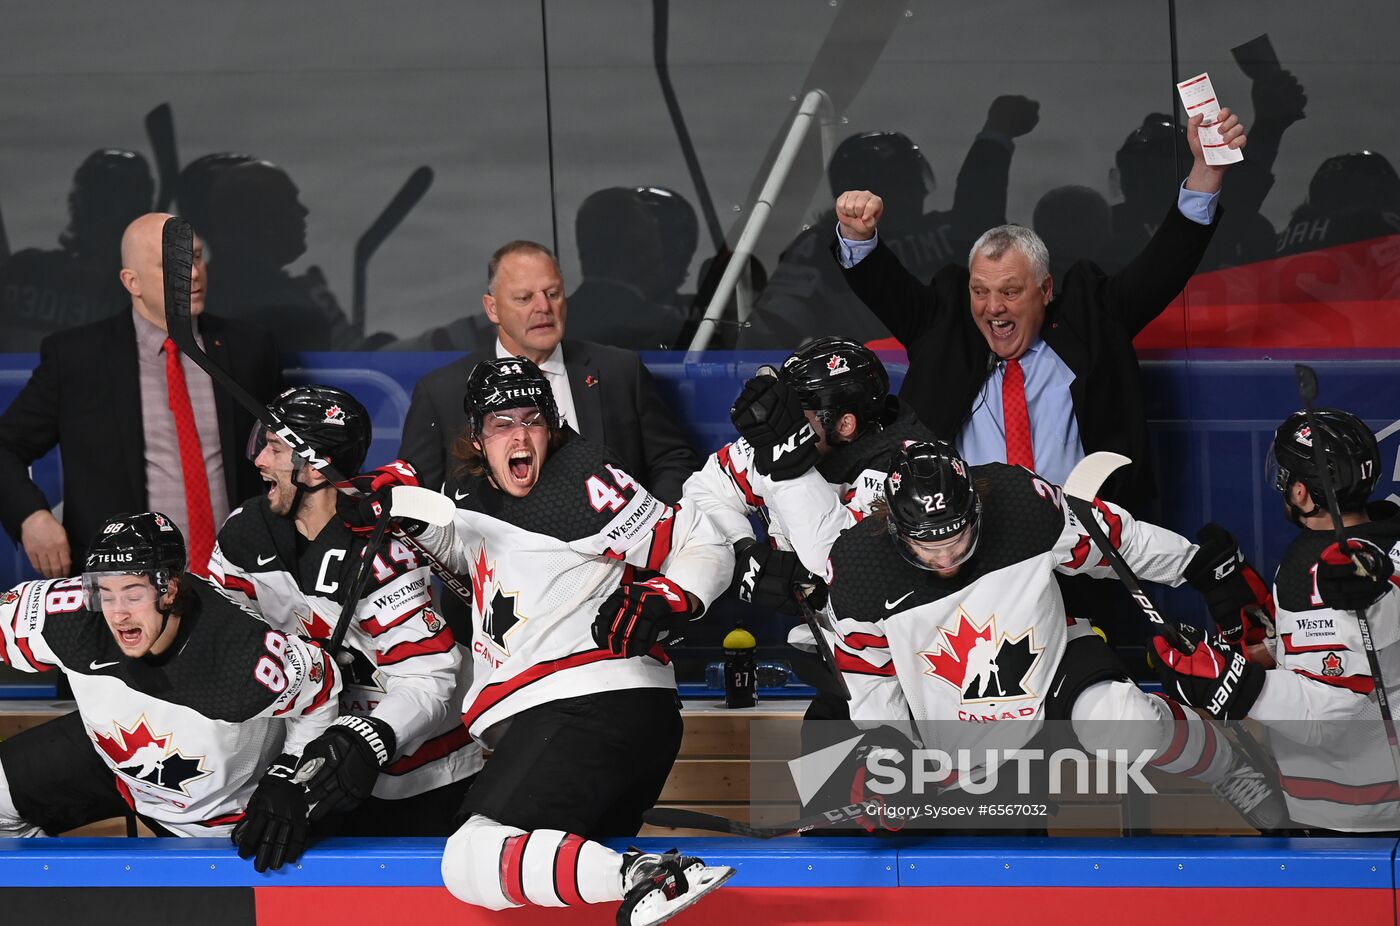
<point x="1016" y="418"/>
<point x="197" y="507"/>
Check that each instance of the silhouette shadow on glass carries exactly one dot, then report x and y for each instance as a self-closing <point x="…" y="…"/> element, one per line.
<point x="43" y="291"/>
<point x="807" y="294"/>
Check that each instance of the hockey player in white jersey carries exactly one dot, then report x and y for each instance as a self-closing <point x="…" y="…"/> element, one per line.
<point x="964" y="553"/>
<point x="831" y="402"/>
<point x="579" y="576"/>
<point x="190" y="709"/>
<point x="1318" y="701"/>
<point x="398" y="761"/>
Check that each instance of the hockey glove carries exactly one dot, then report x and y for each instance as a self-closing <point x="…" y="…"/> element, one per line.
<point x="769" y="416"/>
<point x="774" y="578"/>
<point x="884" y="746"/>
<point x="1217" y="676"/>
<point x="273" y="831"/>
<point x="1340" y="583"/>
<point x="360" y="513"/>
<point x="630" y="622"/>
<point x="341" y="765"/>
<point x="1230" y="585"/>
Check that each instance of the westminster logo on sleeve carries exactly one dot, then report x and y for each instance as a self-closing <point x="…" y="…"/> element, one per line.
<point x="145" y="756"/>
<point x="982" y="666"/>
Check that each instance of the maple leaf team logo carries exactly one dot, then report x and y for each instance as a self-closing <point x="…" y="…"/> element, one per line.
<point x="495" y="608"/>
<point x="837" y="365"/>
<point x="335" y="415"/>
<point x="982" y="666"/>
<point x="1303" y="436"/>
<point x="895" y="480"/>
<point x="10" y="597"/>
<point x="162" y="523"/>
<point x="1332" y="665"/>
<point x="431" y="621"/>
<point x="143" y="756"/>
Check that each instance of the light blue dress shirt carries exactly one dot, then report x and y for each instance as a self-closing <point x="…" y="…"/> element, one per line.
<point x="1054" y="429"/>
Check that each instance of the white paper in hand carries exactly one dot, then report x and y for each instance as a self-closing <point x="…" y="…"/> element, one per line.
<point x="1198" y="96"/>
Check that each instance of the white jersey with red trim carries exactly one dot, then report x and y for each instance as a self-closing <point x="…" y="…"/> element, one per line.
<point x="408" y="670"/>
<point x="975" y="653"/>
<point x="1320" y="704"/>
<point x="542" y="565"/>
<point x="804" y="515"/>
<point x="189" y="734"/>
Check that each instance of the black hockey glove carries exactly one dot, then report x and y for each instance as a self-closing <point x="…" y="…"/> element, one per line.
<point x="341" y="765"/>
<point x="630" y="622"/>
<point x="1231" y="587"/>
<point x="1340" y="583"/>
<point x="1217" y="676"/>
<point x="769" y="416"/>
<point x="360" y="513"/>
<point x="274" y="830"/>
<point x="774" y="578"/>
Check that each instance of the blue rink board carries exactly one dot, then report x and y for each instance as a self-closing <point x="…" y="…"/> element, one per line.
<point x="1154" y="862"/>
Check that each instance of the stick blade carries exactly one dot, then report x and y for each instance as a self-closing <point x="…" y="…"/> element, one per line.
<point x="1091" y="473"/>
<point x="404" y="200"/>
<point x="421" y="504"/>
<point x="177" y="253"/>
<point x="1307" y="382"/>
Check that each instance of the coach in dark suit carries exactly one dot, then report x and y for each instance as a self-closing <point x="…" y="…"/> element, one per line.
<point x="604" y="393"/>
<point x="1009" y="369"/>
<point x="100" y="392"/>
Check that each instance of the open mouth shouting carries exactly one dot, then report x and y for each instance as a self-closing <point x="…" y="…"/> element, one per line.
<point x="520" y="468"/>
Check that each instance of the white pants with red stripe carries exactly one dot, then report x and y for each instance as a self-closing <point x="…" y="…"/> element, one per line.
<point x="1119" y="715"/>
<point x="496" y="867"/>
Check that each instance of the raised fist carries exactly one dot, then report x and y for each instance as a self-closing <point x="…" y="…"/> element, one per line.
<point x="1012" y="116"/>
<point x="1278" y="97"/>
<point x="859" y="212"/>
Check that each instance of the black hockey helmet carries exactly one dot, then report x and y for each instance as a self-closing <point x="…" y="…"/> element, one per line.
<point x="932" y="500"/>
<point x="888" y="164"/>
<point x="330" y="420"/>
<point x="146" y="544"/>
<point x="1357" y="180"/>
<point x="836" y="375"/>
<point x="507" y="382"/>
<point x="1352" y="454"/>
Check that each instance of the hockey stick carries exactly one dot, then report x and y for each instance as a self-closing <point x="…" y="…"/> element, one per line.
<point x="714" y="823"/>
<point x="160" y="129"/>
<point x="1081" y="489"/>
<point x="660" y="31"/>
<point x="1307" y="390"/>
<point x="381" y="228"/>
<point x="177" y="247"/>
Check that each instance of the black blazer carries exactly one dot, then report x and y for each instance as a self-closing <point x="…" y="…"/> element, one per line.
<point x="1090" y="324"/>
<point x="620" y="409"/>
<point x="85" y="397"/>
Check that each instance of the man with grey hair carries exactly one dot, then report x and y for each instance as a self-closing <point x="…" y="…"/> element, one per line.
<point x="1009" y="369"/>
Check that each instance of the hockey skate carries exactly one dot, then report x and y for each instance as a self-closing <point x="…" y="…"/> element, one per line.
<point x="660" y="886"/>
<point x="1252" y="793"/>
